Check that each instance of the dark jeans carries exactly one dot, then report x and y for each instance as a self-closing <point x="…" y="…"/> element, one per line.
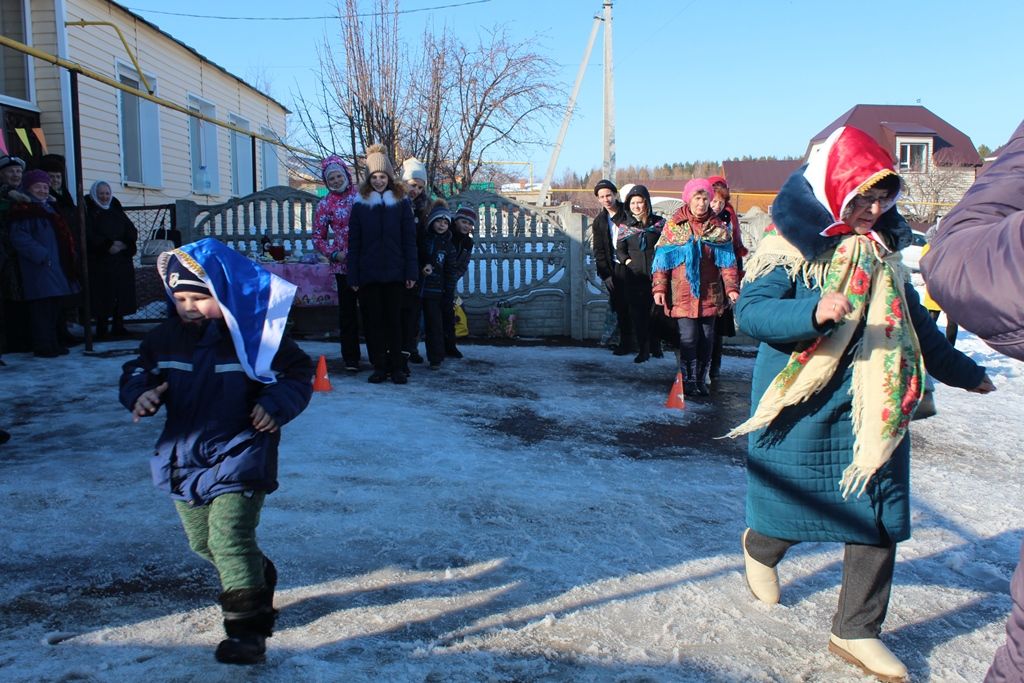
<point x="348" y="321"/>
<point x="448" y="319"/>
<point x="412" y="309"/>
<point x="382" y="308"/>
<point x="43" y="316"/>
<point x="641" y="311"/>
<point x="696" y="338"/>
<point x="619" y="301"/>
<point x="434" y="328"/>
<point x="867" y="582"/>
<point x="16" y="326"/>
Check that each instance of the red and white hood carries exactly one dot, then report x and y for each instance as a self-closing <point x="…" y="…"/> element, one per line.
<point x="849" y="161"/>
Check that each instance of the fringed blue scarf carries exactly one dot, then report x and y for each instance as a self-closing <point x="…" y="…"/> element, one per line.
<point x="680" y="245"/>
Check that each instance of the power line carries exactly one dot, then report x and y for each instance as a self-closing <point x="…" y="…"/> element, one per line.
<point x="330" y="16"/>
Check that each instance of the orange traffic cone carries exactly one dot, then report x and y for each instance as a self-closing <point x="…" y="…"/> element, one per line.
<point x="676" y="399"/>
<point x="321" y="382"/>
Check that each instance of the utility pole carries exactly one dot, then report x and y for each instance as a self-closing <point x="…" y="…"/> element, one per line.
<point x="609" y="96"/>
<point x="545" y="187"/>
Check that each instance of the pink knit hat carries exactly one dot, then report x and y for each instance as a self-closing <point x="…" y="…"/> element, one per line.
<point x="695" y="185"/>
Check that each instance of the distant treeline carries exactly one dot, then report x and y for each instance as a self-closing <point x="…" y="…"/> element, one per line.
<point x="675" y="171"/>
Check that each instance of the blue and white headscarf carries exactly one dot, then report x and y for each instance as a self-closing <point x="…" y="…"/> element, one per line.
<point x="254" y="301"/>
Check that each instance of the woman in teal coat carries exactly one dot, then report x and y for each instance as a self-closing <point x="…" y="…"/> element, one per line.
<point x="839" y="372"/>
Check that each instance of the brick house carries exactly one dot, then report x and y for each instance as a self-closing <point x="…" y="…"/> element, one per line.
<point x="937" y="161"/>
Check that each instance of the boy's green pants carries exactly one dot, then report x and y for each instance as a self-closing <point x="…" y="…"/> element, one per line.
<point x="224" y="532"/>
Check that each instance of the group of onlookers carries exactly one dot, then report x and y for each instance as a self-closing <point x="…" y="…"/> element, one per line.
<point x="397" y="257"/>
<point x="40" y="258"/>
<point x="671" y="280"/>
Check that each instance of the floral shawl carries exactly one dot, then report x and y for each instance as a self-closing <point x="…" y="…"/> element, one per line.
<point x="682" y="243"/>
<point x="888" y="369"/>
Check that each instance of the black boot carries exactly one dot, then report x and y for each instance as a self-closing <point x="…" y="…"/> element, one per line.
<point x="701" y="380"/>
<point x="690" y="378"/>
<point x="249" y="618"/>
<point x="451" y="351"/>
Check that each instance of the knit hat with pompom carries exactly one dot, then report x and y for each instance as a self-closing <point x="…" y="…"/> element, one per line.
<point x="377" y="161"/>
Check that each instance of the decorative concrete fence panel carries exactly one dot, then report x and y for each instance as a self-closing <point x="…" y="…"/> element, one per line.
<point x="282" y="214"/>
<point x="538" y="261"/>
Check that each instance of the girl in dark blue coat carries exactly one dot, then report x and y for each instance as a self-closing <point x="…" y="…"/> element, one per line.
<point x="838" y="376"/>
<point x="382" y="263"/>
<point x="230" y="380"/>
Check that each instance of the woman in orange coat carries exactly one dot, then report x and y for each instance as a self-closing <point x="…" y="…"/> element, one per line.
<point x="694" y="262"/>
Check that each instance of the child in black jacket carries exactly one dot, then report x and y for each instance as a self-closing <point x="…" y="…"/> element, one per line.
<point x="230" y="380"/>
<point x="437" y="254"/>
<point x="462" y="238"/>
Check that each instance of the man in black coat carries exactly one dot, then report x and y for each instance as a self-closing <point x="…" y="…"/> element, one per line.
<point x="605" y="232"/>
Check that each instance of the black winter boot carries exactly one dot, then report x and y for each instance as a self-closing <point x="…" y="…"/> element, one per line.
<point x="702" y="380"/>
<point x="690" y="378"/>
<point x="249" y="618"/>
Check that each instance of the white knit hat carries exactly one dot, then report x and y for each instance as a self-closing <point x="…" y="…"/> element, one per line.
<point x="413" y="169"/>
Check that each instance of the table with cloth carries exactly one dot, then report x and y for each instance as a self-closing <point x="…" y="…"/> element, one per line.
<point x="315" y="282"/>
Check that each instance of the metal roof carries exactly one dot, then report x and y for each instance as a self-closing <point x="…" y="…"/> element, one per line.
<point x="950" y="146"/>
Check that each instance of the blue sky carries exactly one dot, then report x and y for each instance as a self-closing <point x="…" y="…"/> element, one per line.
<point x="693" y="80"/>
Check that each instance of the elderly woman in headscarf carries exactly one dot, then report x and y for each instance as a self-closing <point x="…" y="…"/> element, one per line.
<point x="111" y="239"/>
<point x="694" y="262"/>
<point x="839" y="373"/>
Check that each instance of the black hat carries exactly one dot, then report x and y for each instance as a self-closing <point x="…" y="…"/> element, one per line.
<point x="52" y="163"/>
<point x="604" y="183"/>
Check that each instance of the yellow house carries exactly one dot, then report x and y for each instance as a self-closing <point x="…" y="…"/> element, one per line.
<point x="150" y="154"/>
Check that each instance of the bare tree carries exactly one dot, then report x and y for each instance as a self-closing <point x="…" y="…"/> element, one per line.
<point x="502" y="90"/>
<point x="932" y="194"/>
<point x="451" y="105"/>
<point x="363" y="84"/>
<point x="427" y="120"/>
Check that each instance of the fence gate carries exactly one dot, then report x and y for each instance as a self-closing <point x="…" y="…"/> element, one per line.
<point x="538" y="260"/>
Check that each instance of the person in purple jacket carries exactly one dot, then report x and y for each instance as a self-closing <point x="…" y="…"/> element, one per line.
<point x="975" y="271"/>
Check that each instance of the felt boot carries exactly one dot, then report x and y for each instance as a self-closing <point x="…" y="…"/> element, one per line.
<point x="871" y="655"/>
<point x="249" y="618"/>
<point x="762" y="580"/>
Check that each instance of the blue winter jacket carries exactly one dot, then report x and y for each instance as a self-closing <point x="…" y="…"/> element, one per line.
<point x="208" y="446"/>
<point x="795" y="464"/>
<point x="33" y="233"/>
<point x="382" y="240"/>
<point x="439" y="252"/>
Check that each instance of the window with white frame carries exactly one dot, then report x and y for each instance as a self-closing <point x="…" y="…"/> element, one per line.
<point x="140" y="132"/>
<point x="269" y="158"/>
<point x="15" y="80"/>
<point x="914" y="157"/>
<point x="203" y="145"/>
<point x="241" y="158"/>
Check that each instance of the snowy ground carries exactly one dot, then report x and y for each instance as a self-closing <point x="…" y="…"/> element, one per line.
<point x="526" y="514"/>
